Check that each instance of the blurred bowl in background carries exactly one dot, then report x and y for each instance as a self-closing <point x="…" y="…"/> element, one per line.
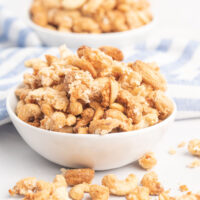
<point x="75" y="40"/>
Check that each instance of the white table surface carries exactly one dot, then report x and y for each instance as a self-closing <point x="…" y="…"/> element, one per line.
<point x="17" y="160"/>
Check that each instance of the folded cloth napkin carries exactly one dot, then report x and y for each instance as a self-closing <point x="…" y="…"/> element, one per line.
<point x="179" y="61"/>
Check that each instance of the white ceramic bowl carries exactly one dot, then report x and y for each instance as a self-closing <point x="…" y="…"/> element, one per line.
<point x="94" y="151"/>
<point x="75" y="40"/>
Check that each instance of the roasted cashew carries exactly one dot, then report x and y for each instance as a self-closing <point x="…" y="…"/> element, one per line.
<point x="120" y="187"/>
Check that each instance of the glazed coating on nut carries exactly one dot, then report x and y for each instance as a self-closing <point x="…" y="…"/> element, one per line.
<point x="147" y="161"/>
<point x="99" y="192"/>
<point x="92" y="92"/>
<point x="31" y="189"/>
<point x="24" y="186"/>
<point x="92" y="16"/>
<point x="194" y="147"/>
<point x="150" y="180"/>
<point x="77" y="192"/>
<point x="78" y="176"/>
<point x="120" y="187"/>
<point x="139" y="193"/>
<point x="113" y="52"/>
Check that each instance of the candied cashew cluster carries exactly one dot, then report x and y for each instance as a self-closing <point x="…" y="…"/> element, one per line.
<point x="91" y="16"/>
<point x="92" y="92"/>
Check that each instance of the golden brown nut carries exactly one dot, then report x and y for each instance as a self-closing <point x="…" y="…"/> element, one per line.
<point x="57" y="99"/>
<point x="38" y="13"/>
<point x="55" y="122"/>
<point x="59" y="188"/>
<point x="83" y="130"/>
<point x="120" y="187"/>
<point x="51" y="59"/>
<point x="130" y="80"/>
<point x="22" y="92"/>
<point x="113" y="52"/>
<point x="51" y="3"/>
<point x="47" y="109"/>
<point x="125" y="122"/>
<point x="165" y="196"/>
<point x="150" y="180"/>
<point x="68" y="4"/>
<point x="194" y="147"/>
<point x="85" y="25"/>
<point x="86" y="117"/>
<point x="78" y="176"/>
<point x="151" y="119"/>
<point x="139" y="193"/>
<point x="82" y="64"/>
<point x="98" y="113"/>
<point x="183" y="188"/>
<point x="108" y="4"/>
<point x="148" y="160"/>
<point x="28" y="112"/>
<point x="103" y="126"/>
<point x="65" y="129"/>
<point x="24" y="186"/>
<point x="77" y="192"/>
<point x="150" y="76"/>
<point x="70" y="120"/>
<point x="76" y="108"/>
<point x="133" y="19"/>
<point x="32" y="81"/>
<point x="162" y="103"/>
<point x="117" y="106"/>
<point x="99" y="192"/>
<point x="102" y="19"/>
<point x="114" y="89"/>
<point x="91" y="6"/>
<point x="98" y="59"/>
<point x="133" y="108"/>
<point x="120" y="24"/>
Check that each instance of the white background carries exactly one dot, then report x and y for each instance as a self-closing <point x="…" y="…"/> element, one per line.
<point x="17" y="160"/>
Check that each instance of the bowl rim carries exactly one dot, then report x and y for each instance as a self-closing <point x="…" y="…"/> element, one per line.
<point x="118" y="134"/>
<point x="134" y="31"/>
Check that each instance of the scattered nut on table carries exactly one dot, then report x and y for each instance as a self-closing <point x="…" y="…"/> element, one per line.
<point x="148" y="160"/>
<point x="150" y="180"/>
<point x="194" y="147"/>
<point x="120" y="187"/>
<point x="78" y="176"/>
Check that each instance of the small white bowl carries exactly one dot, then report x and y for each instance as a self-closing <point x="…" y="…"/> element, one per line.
<point x="75" y="40"/>
<point x="94" y="151"/>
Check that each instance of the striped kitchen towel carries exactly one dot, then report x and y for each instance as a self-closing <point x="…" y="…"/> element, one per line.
<point x="178" y="58"/>
<point x="13" y="32"/>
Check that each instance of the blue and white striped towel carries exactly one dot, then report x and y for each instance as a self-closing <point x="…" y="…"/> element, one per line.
<point x="179" y="61"/>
